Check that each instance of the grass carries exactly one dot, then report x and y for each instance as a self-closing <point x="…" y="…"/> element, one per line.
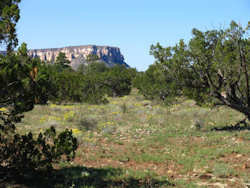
<point x="133" y="142"/>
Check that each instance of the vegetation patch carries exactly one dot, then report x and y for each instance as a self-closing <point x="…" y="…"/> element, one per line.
<point x="157" y="140"/>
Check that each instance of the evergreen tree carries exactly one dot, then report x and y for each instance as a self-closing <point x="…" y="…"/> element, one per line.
<point x="213" y="67"/>
<point x="91" y="58"/>
<point x="9" y="16"/>
<point x="20" y="87"/>
<point x="62" y="62"/>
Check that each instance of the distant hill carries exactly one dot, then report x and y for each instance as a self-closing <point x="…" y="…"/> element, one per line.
<point x="77" y="54"/>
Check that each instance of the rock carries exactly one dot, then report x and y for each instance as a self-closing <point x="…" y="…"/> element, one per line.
<point x="108" y="130"/>
<point x="77" y="54"/>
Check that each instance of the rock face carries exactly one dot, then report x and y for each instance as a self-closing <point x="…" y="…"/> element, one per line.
<point x="77" y="54"/>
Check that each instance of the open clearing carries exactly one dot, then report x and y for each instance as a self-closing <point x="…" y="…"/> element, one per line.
<point x="133" y="142"/>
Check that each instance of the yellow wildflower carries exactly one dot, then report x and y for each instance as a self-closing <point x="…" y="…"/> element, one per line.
<point x="3" y="109"/>
<point x="52" y="105"/>
<point x="76" y="131"/>
<point x="67" y="107"/>
<point x="48" y="118"/>
<point x="69" y="115"/>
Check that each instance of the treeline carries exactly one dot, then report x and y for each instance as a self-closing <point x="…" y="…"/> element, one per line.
<point x="91" y="83"/>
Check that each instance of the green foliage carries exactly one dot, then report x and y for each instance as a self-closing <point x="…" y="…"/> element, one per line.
<point x="24" y="152"/>
<point x="9" y="16"/>
<point x="22" y="85"/>
<point x="156" y="83"/>
<point x="62" y="62"/>
<point x="95" y="68"/>
<point x="68" y="86"/>
<point x="93" y="90"/>
<point x="71" y="86"/>
<point x="47" y="87"/>
<point x="24" y="81"/>
<point x="18" y="89"/>
<point x="118" y="81"/>
<point x="97" y="82"/>
<point x="91" y="58"/>
<point x="212" y="68"/>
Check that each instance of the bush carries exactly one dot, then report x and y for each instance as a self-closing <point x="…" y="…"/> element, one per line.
<point x="93" y="89"/>
<point x="91" y="85"/>
<point x="154" y="84"/>
<point x="24" y="83"/>
<point x="95" y="68"/>
<point x="21" y="87"/>
<point x="68" y="86"/>
<point x="24" y="152"/>
<point x="71" y="86"/>
<point x="118" y="81"/>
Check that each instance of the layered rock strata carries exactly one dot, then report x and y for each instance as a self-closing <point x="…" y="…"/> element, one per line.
<point x="78" y="54"/>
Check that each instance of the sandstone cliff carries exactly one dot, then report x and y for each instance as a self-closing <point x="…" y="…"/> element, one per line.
<point x="78" y="54"/>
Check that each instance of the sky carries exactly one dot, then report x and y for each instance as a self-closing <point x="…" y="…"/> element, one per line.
<point x="131" y="25"/>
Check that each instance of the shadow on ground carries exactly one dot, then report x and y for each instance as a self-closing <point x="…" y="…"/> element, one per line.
<point x="78" y="177"/>
<point x="240" y="126"/>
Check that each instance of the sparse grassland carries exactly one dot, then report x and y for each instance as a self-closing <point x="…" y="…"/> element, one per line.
<point x="132" y="142"/>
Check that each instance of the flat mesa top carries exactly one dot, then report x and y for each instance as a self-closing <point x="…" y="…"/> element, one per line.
<point x="72" y="47"/>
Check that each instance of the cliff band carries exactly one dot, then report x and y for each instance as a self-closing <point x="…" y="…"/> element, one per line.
<point x="77" y="54"/>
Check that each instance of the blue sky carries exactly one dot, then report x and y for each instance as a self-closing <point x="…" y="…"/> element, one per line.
<point x="131" y="25"/>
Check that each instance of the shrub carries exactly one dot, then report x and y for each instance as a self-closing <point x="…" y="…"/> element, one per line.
<point x="24" y="152"/>
<point x="154" y="84"/>
<point x="21" y="87"/>
<point x="68" y="86"/>
<point x="118" y="81"/>
<point x="93" y="89"/>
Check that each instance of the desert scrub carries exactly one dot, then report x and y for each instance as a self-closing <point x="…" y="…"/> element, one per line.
<point x="49" y="118"/>
<point x="69" y="116"/>
<point x="87" y="124"/>
<point x="223" y="170"/>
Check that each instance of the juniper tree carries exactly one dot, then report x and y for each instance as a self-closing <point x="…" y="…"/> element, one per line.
<point x="19" y="87"/>
<point x="213" y="67"/>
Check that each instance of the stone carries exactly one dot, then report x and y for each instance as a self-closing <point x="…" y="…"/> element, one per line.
<point x="77" y="54"/>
